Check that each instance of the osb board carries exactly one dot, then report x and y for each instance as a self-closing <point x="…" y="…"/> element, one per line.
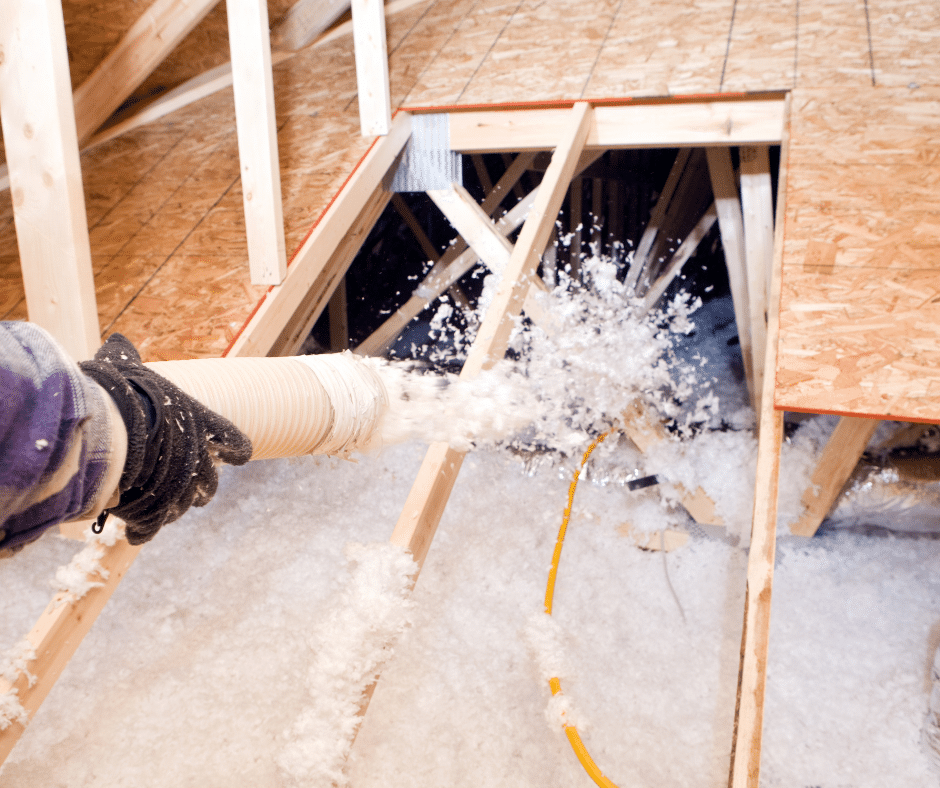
<point x="860" y="309"/>
<point x="833" y="44"/>
<point x="663" y="48"/>
<point x="905" y="42"/>
<point x="762" y="51"/>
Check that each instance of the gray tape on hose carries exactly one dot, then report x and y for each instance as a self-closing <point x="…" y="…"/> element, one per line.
<point x="288" y="407"/>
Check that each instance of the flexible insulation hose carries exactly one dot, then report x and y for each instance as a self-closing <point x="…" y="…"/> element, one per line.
<point x="292" y="406"/>
<point x="570" y="730"/>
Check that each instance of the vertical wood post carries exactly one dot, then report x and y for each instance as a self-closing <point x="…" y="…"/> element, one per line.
<point x="45" y="174"/>
<point x="731" y="225"/>
<point x="375" y="105"/>
<point x="253" y="84"/>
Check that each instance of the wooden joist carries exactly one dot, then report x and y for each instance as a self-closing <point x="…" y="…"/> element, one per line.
<point x="755" y="638"/>
<point x="257" y="140"/>
<point x="634" y="125"/>
<point x="42" y="151"/>
<point x="375" y="105"/>
<point x="679" y="259"/>
<point x="476" y="228"/>
<point x="657" y="218"/>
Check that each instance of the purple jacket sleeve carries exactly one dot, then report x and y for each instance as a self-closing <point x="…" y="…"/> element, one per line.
<point x="55" y="436"/>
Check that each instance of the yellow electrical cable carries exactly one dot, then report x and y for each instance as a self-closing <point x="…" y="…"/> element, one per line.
<point x="570" y="730"/>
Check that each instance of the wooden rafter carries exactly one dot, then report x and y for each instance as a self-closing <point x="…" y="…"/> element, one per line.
<point x="142" y="48"/>
<point x="476" y="228"/>
<point x="304" y="21"/>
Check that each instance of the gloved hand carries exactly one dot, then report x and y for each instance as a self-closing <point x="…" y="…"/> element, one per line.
<point x="173" y="441"/>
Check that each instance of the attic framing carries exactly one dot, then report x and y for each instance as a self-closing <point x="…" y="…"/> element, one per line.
<point x="806" y="96"/>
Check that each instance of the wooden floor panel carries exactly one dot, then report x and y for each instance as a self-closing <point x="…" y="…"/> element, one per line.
<point x="860" y="309"/>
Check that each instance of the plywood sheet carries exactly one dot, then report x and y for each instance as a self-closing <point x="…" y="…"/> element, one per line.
<point x="860" y="310"/>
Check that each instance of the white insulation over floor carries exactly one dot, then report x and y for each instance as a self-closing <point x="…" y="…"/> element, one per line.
<point x="236" y="650"/>
<point x="197" y="671"/>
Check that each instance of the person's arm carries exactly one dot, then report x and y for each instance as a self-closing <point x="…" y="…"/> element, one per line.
<point x="106" y="435"/>
<point x="62" y="441"/>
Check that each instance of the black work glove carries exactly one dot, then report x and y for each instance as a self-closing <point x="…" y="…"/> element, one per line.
<point x="173" y="441"/>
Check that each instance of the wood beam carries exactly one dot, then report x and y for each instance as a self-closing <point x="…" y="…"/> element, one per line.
<point x="840" y="456"/>
<point x="375" y="105"/>
<point x="304" y="21"/>
<point x="425" y="504"/>
<point x="634" y="125"/>
<point x="476" y="228"/>
<point x="757" y="208"/>
<point x="265" y="329"/>
<point x="330" y="275"/>
<point x="442" y="276"/>
<point x="141" y="49"/>
<point x="255" y="123"/>
<point x="731" y="224"/>
<point x="755" y="639"/>
<point x="42" y="152"/>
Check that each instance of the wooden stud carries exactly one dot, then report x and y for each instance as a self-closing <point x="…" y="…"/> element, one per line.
<point x="732" y="240"/>
<point x="757" y="206"/>
<point x="482" y="173"/>
<point x="145" y="45"/>
<point x="474" y="226"/>
<point x="310" y="264"/>
<point x="517" y="187"/>
<point x="304" y="21"/>
<point x="835" y="466"/>
<point x="257" y="139"/>
<point x="755" y="638"/>
<point x="42" y="153"/>
<point x="375" y="106"/>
